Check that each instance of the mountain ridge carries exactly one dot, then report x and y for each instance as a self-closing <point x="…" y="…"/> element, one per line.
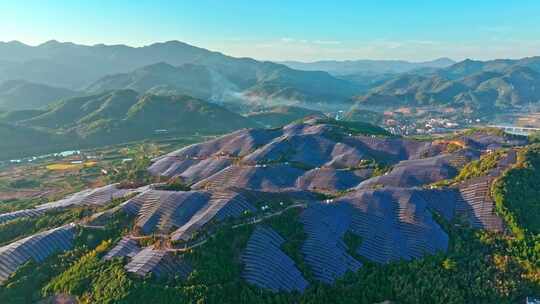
<point x="77" y="66"/>
<point x="349" y="67"/>
<point x="25" y="95"/>
<point x="113" y="117"/>
<point x="479" y="86"/>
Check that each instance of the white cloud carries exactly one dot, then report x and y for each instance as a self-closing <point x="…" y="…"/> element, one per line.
<point x="290" y="40"/>
<point x="289" y="48"/>
<point x="499" y="29"/>
<point x="287" y="40"/>
<point x="327" y="42"/>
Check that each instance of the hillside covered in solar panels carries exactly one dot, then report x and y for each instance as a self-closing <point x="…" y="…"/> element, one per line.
<point x="317" y="211"/>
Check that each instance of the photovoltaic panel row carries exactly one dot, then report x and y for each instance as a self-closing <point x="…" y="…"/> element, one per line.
<point x="267" y="266"/>
<point x="36" y="247"/>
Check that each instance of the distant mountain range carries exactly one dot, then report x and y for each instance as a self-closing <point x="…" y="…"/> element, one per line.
<point x="351" y="67"/>
<point x="24" y="95"/>
<point x="55" y="70"/>
<point x="476" y="86"/>
<point x="95" y="95"/>
<point x="76" y="66"/>
<point x="271" y="84"/>
<point x="171" y="67"/>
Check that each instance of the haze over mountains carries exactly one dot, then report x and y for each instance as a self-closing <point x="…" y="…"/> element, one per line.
<point x="271" y="83"/>
<point x="349" y="67"/>
<point x="54" y="70"/>
<point x="77" y="67"/>
<point x="112" y="93"/>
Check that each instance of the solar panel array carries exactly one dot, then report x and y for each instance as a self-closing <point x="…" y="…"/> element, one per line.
<point x="507" y="161"/>
<point x="10" y="216"/>
<point x="223" y="179"/>
<point x="473" y="199"/>
<point x="233" y="145"/>
<point x="222" y="205"/>
<point x="36" y="247"/>
<point x="324" y="250"/>
<point x="310" y="149"/>
<point x="171" y="166"/>
<point x="159" y="263"/>
<point x="310" y="144"/>
<point x="242" y="159"/>
<point x="282" y="177"/>
<point x="186" y="213"/>
<point x="267" y="266"/>
<point x="412" y="173"/>
<point x="134" y="204"/>
<point x="477" y="205"/>
<point x="442" y="201"/>
<point x="480" y="140"/>
<point x="394" y="224"/>
<point x="90" y="197"/>
<point x="266" y="178"/>
<point x="252" y="165"/>
<point x="331" y="180"/>
<point x="392" y="149"/>
<point x="162" y="211"/>
<point x="204" y="168"/>
<point x="126" y="247"/>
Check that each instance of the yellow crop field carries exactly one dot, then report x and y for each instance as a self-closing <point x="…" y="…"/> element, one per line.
<point x="69" y="166"/>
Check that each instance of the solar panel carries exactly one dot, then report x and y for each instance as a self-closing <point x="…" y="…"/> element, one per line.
<point x="223" y="204"/>
<point x="394" y="224"/>
<point x="126" y="247"/>
<point x="477" y="205"/>
<point x="266" y="266"/>
<point x="159" y="263"/>
<point x="36" y="247"/>
<point x="162" y="211"/>
<point x="7" y="217"/>
<point x="324" y="250"/>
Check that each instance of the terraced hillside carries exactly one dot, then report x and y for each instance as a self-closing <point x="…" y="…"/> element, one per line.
<point x="282" y="213"/>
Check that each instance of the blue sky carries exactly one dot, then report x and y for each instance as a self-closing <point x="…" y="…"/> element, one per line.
<point x="289" y="29"/>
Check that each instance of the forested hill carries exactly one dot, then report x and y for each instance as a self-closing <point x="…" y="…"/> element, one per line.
<point x="22" y="95"/>
<point x="111" y="118"/>
<point x="480" y="87"/>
